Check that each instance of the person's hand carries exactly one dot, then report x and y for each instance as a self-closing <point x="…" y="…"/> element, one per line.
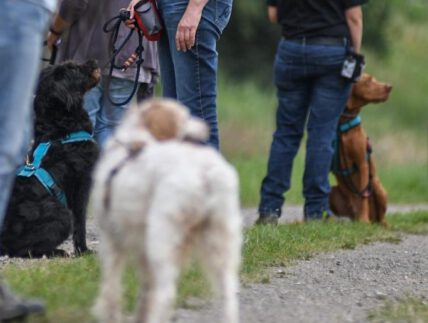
<point x="273" y="14"/>
<point x="187" y="27"/>
<point x="131" y="9"/>
<point x="130" y="23"/>
<point x="52" y="39"/>
<point x="59" y="25"/>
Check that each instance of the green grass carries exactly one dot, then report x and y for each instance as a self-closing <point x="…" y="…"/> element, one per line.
<point x="278" y="246"/>
<point x="409" y="309"/>
<point x="69" y="286"/>
<point x="251" y="172"/>
<point x="413" y="223"/>
<point x="404" y="184"/>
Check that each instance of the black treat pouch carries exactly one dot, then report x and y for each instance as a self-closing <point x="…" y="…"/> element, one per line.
<point x="353" y="66"/>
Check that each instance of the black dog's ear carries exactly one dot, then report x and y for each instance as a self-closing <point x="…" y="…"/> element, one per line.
<point x="61" y="94"/>
<point x="61" y="97"/>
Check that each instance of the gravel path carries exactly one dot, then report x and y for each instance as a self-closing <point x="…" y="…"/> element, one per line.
<point x="336" y="287"/>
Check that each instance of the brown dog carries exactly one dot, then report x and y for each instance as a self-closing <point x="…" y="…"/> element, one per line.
<point x="359" y="193"/>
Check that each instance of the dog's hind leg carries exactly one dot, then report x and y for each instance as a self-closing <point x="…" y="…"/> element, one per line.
<point x="108" y="305"/>
<point x="339" y="203"/>
<point x="379" y="203"/>
<point x="163" y="246"/>
<point x="219" y="250"/>
<point x="145" y="280"/>
<point x="40" y="235"/>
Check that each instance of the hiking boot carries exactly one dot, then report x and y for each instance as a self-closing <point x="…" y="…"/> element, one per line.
<point x="11" y="307"/>
<point x="268" y="218"/>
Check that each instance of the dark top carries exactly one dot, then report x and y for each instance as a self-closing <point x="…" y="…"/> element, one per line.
<point x="313" y="18"/>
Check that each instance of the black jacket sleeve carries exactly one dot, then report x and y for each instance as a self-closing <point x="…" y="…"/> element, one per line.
<point x="272" y="2"/>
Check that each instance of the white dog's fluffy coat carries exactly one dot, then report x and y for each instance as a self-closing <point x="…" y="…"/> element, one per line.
<point x="167" y="199"/>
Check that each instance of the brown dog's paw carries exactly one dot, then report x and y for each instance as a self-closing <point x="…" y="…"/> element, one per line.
<point x="385" y="224"/>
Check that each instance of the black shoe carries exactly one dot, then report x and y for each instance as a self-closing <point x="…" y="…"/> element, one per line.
<point x="267" y="218"/>
<point x="327" y="216"/>
<point x="11" y="307"/>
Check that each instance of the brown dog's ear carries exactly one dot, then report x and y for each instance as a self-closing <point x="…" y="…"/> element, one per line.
<point x="161" y="123"/>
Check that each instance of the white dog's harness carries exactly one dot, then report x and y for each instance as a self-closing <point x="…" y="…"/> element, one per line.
<point x="133" y="151"/>
<point x="42" y="175"/>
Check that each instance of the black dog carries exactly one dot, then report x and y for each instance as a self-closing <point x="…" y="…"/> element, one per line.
<point x="46" y="206"/>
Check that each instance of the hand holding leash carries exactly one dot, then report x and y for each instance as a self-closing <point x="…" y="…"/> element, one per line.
<point x="131" y="9"/>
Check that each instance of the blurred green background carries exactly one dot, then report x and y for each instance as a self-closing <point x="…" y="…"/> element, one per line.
<point x="396" y="47"/>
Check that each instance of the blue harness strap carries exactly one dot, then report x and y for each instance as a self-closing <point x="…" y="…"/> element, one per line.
<point x="335" y="166"/>
<point x="41" y="174"/>
<point x="342" y="128"/>
<point x="348" y="125"/>
<point x="77" y="136"/>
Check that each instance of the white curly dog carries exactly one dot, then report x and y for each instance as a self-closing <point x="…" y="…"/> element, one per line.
<point x="158" y="196"/>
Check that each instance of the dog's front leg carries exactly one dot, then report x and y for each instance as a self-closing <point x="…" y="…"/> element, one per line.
<point x="363" y="187"/>
<point x="80" y="203"/>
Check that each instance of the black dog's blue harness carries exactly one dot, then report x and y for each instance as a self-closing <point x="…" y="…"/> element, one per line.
<point x="43" y="176"/>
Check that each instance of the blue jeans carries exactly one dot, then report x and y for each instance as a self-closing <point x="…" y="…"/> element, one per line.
<point x="104" y="115"/>
<point x="191" y="77"/>
<point x="310" y="92"/>
<point x="23" y="25"/>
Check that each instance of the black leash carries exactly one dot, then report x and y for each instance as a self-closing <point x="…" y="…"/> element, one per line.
<point x="366" y="192"/>
<point x="132" y="154"/>
<point x="52" y="58"/>
<point x="136" y="57"/>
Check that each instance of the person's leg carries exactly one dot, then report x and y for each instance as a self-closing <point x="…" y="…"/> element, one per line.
<point x="145" y="92"/>
<point x="166" y="64"/>
<point x="195" y="70"/>
<point x="111" y="115"/>
<point x="328" y="100"/>
<point x="293" y="91"/>
<point x="20" y="51"/>
<point x="92" y="103"/>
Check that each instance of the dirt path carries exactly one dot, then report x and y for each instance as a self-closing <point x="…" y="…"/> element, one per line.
<point x="338" y="287"/>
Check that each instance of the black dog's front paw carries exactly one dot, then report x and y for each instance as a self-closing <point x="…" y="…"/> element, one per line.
<point x="79" y="251"/>
<point x="59" y="253"/>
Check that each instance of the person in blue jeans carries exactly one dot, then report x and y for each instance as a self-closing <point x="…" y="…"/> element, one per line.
<point x="311" y="94"/>
<point x="23" y="24"/>
<point x="188" y="54"/>
<point x="78" y="28"/>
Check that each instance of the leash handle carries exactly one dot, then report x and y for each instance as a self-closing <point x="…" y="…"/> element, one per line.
<point x="51" y="60"/>
<point x="115" y="51"/>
